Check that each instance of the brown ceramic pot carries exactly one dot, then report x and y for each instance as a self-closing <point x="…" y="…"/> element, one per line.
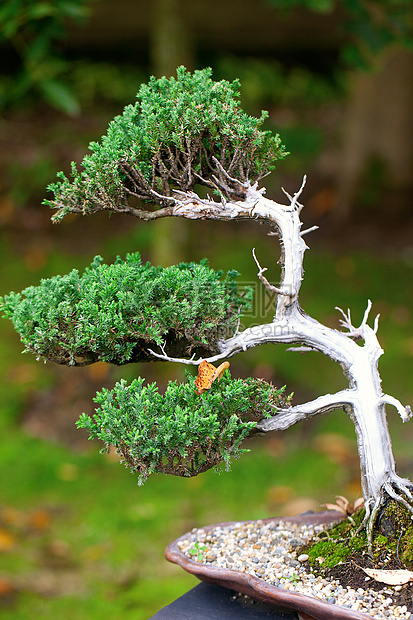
<point x="307" y="607"/>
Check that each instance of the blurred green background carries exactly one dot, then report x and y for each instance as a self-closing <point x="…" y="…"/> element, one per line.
<point x="78" y="537"/>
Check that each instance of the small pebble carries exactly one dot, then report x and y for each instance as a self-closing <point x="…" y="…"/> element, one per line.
<point x="279" y="550"/>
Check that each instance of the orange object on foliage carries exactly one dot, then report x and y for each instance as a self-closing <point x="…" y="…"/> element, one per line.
<point x="207" y="373"/>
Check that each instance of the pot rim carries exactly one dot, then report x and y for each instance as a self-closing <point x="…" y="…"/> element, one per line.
<point x="258" y="588"/>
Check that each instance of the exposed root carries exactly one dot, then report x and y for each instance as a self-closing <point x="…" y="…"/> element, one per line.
<point x="372" y="521"/>
<point x="397" y="496"/>
<point x="395" y="488"/>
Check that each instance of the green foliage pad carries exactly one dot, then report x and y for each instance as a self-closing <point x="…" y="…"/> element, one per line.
<point x="114" y="312"/>
<point x="181" y="131"/>
<point x="180" y="432"/>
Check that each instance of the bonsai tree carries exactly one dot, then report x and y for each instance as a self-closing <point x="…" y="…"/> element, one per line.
<point x="183" y="138"/>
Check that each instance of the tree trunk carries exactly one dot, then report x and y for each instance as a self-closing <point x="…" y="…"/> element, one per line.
<point x="363" y="400"/>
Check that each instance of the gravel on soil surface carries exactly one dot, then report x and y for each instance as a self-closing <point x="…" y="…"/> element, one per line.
<point x="270" y="551"/>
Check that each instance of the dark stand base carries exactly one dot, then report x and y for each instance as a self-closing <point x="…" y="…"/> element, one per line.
<point x="210" y="602"/>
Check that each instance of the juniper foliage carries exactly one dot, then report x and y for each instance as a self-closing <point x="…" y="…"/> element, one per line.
<point x="179" y="432"/>
<point x="114" y="312"/>
<point x="180" y="132"/>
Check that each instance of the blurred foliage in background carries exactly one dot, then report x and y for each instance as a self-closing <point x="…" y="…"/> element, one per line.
<point x="32" y="31"/>
<point x="370" y="26"/>
<point x="77" y="538"/>
<point x="42" y="71"/>
<point x="31" y="35"/>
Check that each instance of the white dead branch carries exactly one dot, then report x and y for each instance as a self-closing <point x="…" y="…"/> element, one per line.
<point x="364" y="400"/>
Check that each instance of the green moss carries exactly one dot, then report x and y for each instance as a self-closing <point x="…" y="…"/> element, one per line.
<point x="337" y="545"/>
<point x="381" y="540"/>
<point x="406" y="554"/>
<point x="398" y="520"/>
<point x="399" y="516"/>
<point x="393" y="534"/>
<point x="396" y="523"/>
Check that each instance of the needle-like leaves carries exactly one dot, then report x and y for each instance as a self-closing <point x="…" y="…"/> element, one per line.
<point x="179" y="432"/>
<point x="114" y="313"/>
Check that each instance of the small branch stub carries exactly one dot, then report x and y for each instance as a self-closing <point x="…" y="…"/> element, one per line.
<point x="261" y="271"/>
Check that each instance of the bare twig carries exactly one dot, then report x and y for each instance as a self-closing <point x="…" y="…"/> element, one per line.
<point x="264" y="280"/>
<point x="181" y="360"/>
<point x="294" y="204"/>
<point x="404" y="412"/>
<point x="308" y="230"/>
<point x="149" y="215"/>
<point x="366" y="313"/>
<point x="346" y="322"/>
<point x="162" y="196"/>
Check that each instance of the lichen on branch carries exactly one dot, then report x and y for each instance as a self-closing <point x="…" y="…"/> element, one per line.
<point x="180" y="132"/>
<point x="180" y="432"/>
<point x="114" y="312"/>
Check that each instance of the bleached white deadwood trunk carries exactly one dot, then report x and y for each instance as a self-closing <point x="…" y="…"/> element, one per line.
<point x="356" y="349"/>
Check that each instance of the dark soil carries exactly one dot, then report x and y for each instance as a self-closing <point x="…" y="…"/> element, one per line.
<point x="344" y="552"/>
<point x="351" y="574"/>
